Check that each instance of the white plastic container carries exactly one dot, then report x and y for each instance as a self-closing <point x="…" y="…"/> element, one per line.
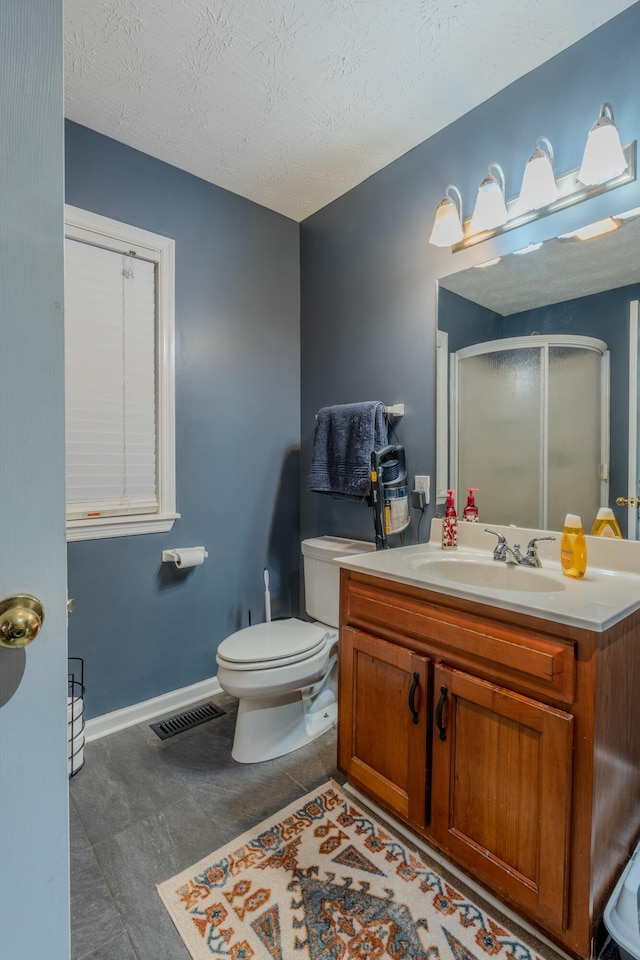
<point x="75" y="734"/>
<point x="75" y="759"/>
<point x="622" y="913"/>
<point x="75" y="710"/>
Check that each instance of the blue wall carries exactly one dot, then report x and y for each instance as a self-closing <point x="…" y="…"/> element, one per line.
<point x="142" y="626"/>
<point x="369" y="276"/>
<point x="466" y="322"/>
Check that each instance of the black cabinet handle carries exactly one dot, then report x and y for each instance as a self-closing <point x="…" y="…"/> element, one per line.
<point x="412" y="697"/>
<point x="439" y="724"/>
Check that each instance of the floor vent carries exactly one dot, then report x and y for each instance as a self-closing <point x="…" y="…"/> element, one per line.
<point x="185" y="721"/>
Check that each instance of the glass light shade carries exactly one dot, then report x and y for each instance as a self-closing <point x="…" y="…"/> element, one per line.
<point x="539" y="187"/>
<point x="491" y="208"/>
<point x="597" y="229"/>
<point x="603" y="154"/>
<point x="447" y="227"/>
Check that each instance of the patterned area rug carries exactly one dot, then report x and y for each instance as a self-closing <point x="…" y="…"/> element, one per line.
<point x="324" y="880"/>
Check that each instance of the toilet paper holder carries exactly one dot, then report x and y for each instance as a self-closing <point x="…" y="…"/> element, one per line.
<point x="185" y="556"/>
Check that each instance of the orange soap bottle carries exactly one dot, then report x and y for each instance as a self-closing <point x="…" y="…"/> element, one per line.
<point x="605" y="524"/>
<point x="450" y="523"/>
<point x="573" y="548"/>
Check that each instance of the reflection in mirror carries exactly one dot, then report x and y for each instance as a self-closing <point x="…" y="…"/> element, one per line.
<point x="536" y="405"/>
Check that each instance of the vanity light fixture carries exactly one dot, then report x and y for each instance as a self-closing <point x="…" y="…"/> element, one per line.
<point x="592" y="230"/>
<point x="542" y="192"/>
<point x="447" y="227"/>
<point x="539" y="186"/>
<point x="491" y="206"/>
<point x="487" y="263"/>
<point x="603" y="154"/>
<point x="628" y="215"/>
<point x="531" y="248"/>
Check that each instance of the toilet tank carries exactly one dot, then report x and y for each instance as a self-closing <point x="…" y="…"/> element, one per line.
<point x="322" y="576"/>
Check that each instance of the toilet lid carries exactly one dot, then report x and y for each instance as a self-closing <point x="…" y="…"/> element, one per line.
<point x="278" y="640"/>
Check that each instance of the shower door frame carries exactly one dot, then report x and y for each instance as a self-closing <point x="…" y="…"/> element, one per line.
<point x="633" y="490"/>
<point x="541" y="342"/>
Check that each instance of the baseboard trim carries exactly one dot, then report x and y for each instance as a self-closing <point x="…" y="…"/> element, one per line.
<point x="149" y="709"/>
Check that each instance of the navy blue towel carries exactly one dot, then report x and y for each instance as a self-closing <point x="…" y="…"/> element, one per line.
<point x="344" y="438"/>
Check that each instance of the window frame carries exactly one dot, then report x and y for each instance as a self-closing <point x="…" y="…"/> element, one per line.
<point x="88" y="227"/>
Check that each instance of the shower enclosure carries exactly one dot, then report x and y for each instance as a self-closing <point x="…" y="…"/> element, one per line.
<point x="529" y="426"/>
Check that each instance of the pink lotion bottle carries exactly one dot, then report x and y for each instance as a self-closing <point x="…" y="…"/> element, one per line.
<point x="450" y="523"/>
<point x="470" y="512"/>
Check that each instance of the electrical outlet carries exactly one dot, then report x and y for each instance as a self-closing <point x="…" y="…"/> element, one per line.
<point x="424" y="484"/>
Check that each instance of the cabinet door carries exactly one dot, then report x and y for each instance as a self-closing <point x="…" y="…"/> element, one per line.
<point x="383" y="721"/>
<point x="501" y="790"/>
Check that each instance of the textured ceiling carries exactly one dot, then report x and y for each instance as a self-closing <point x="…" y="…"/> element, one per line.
<point x="293" y="102"/>
<point x="557" y="271"/>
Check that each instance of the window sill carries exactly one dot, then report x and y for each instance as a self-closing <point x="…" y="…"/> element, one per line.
<point x="119" y="527"/>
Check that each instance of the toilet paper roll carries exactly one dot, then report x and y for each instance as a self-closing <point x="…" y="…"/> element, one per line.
<point x="184" y="557"/>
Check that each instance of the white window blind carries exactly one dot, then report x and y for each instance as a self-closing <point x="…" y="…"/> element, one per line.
<point x="111" y="383"/>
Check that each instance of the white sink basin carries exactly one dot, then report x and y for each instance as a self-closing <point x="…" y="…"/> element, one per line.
<point x="492" y="574"/>
<point x="609" y="591"/>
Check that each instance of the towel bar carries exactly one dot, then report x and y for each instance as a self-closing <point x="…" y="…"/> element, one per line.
<point x="395" y="410"/>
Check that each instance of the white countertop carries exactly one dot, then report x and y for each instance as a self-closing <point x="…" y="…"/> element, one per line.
<point x="609" y="591"/>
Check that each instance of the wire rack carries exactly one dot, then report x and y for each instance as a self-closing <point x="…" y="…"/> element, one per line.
<point x="75" y="715"/>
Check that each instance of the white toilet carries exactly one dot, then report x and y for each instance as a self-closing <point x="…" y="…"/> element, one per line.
<point x="284" y="673"/>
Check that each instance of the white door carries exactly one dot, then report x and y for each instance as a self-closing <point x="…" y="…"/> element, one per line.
<point x="34" y="883"/>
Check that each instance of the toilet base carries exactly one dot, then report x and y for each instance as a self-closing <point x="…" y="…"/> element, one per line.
<point x="274" y="726"/>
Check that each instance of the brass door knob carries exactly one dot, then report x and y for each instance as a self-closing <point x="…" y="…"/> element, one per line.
<point x="20" y="620"/>
<point x="627" y="501"/>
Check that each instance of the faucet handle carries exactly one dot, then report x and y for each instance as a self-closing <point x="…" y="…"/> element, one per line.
<point x="500" y="549"/>
<point x="532" y="553"/>
<point x="501" y="539"/>
<point x="531" y="546"/>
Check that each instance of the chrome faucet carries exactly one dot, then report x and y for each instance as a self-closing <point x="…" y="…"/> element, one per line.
<point x="502" y="550"/>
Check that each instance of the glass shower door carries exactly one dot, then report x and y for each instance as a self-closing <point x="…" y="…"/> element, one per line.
<point x="574" y="436"/>
<point x="499" y="443"/>
<point x="529" y="428"/>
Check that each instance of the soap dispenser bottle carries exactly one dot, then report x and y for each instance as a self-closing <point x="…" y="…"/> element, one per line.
<point x="573" y="548"/>
<point x="605" y="524"/>
<point x="450" y="523"/>
<point x="470" y="512"/>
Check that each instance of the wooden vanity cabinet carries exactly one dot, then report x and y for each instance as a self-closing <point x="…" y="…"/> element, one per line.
<point x="500" y="739"/>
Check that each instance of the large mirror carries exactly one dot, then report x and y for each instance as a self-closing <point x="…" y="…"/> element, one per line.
<point x="536" y="403"/>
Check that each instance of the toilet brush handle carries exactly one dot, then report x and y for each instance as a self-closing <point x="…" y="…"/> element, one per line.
<point x="267" y="597"/>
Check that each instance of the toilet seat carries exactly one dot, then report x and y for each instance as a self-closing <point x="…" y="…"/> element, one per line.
<point x="274" y="644"/>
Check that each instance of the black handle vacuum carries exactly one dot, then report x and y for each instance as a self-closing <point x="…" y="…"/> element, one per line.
<point x="395" y="453"/>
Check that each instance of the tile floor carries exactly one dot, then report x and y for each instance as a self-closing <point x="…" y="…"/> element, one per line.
<point x="143" y="809"/>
